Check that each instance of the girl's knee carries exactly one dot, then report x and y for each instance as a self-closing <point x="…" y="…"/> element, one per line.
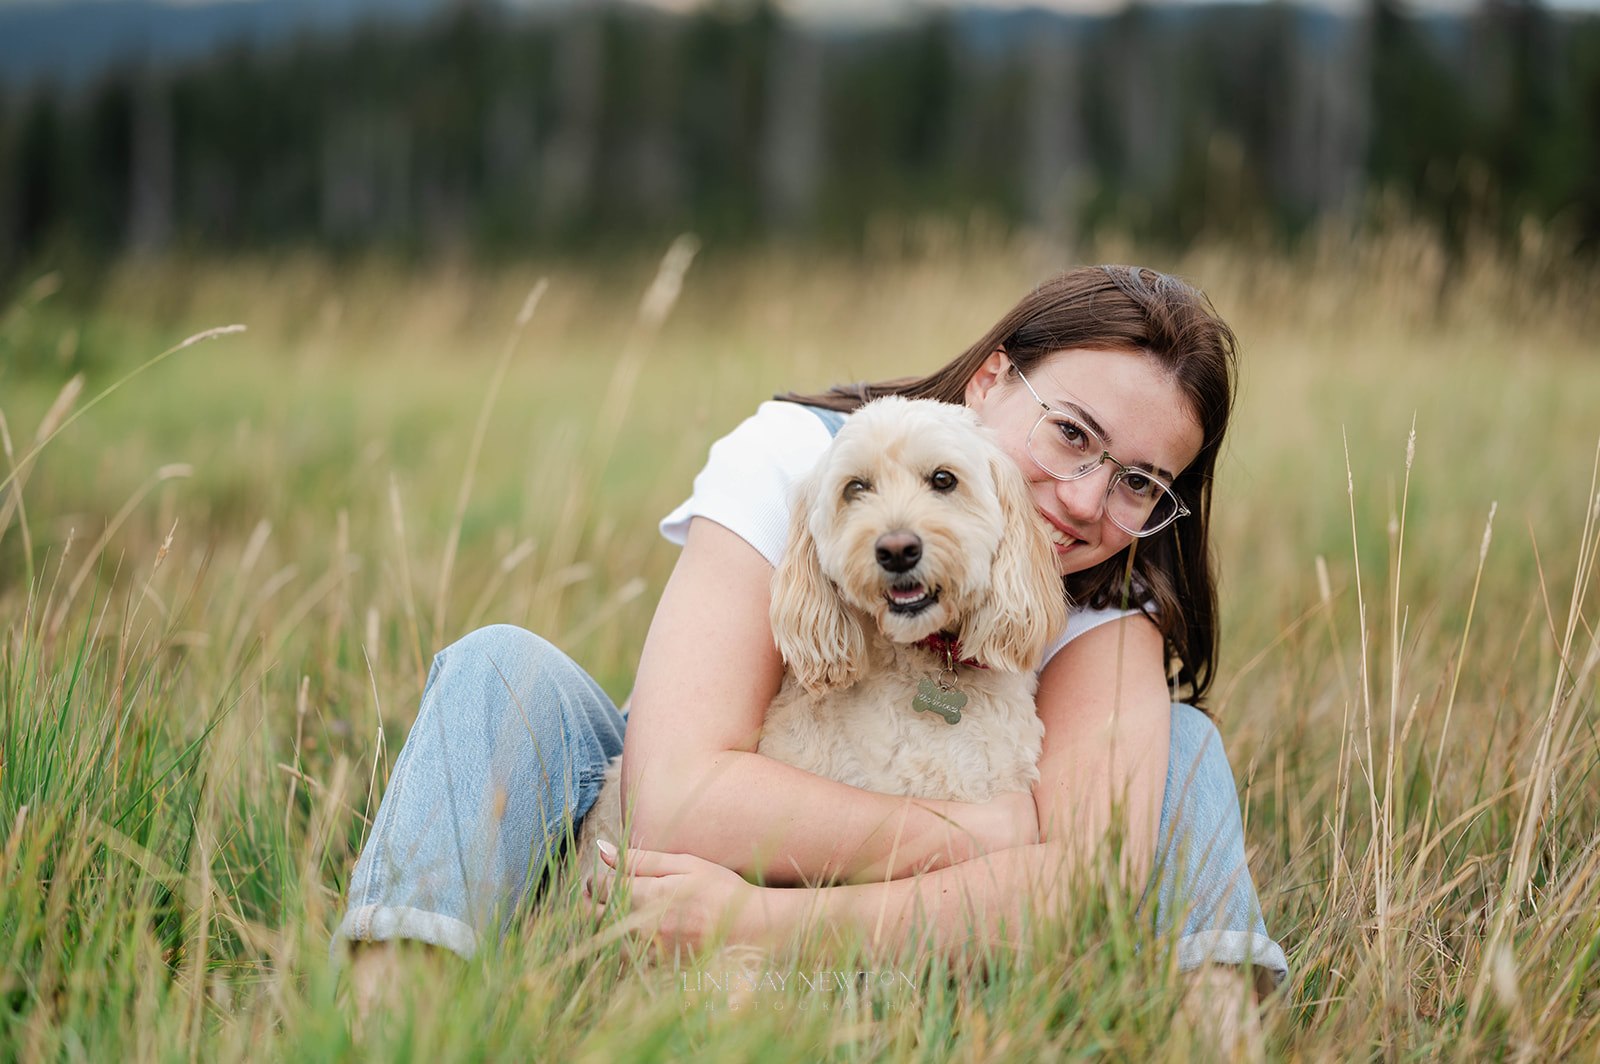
<point x="1196" y="751"/>
<point x="1192" y="728"/>
<point x="501" y="643"/>
<point x="510" y="658"/>
<point x="515" y="679"/>
<point x="1201" y="789"/>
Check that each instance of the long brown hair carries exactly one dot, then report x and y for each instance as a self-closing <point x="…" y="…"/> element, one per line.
<point x="1121" y="308"/>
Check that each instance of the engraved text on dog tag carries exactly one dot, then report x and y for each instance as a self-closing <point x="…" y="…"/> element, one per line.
<point x="932" y="698"/>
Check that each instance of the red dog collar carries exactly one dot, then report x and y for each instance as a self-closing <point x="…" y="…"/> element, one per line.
<point x="948" y="647"/>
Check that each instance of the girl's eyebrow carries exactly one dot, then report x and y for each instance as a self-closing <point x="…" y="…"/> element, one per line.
<point x="1087" y="418"/>
<point x="1105" y="437"/>
<point x="1167" y="476"/>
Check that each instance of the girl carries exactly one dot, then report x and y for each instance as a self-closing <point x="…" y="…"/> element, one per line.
<point x="1111" y="388"/>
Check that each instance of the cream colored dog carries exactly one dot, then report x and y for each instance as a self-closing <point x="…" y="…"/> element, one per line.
<point x="912" y="608"/>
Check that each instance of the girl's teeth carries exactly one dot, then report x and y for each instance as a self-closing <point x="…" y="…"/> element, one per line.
<point x="1060" y="538"/>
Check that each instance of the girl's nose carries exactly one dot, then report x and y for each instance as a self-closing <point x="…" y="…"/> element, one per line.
<point x="1084" y="499"/>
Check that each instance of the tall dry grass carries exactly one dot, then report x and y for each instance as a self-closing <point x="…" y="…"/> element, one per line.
<point x="221" y="584"/>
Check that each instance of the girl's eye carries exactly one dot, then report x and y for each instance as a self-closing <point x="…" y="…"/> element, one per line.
<point x="942" y="480"/>
<point x="1139" y="484"/>
<point x="1073" y="435"/>
<point x="854" y="488"/>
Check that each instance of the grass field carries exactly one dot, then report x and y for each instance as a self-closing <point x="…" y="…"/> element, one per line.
<point x="220" y="588"/>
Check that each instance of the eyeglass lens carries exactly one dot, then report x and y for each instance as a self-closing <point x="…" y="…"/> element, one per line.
<point x="1135" y="500"/>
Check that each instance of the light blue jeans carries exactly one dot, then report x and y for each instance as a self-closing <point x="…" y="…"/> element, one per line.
<point x="508" y="751"/>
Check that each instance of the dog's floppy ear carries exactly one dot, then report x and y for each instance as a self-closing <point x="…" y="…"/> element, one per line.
<point x="1026" y="606"/>
<point x="819" y="637"/>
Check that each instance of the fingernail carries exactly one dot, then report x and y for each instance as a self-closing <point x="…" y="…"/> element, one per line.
<point x="608" y="851"/>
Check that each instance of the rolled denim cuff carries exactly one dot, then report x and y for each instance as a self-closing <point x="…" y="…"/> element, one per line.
<point x="385" y="923"/>
<point x="1233" y="947"/>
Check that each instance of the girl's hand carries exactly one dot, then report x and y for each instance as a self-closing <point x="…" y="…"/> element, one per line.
<point x="684" y="901"/>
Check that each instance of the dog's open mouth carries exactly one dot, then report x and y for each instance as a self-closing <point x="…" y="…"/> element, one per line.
<point x="911" y="598"/>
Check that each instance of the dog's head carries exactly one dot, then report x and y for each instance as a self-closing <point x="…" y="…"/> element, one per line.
<point x="916" y="521"/>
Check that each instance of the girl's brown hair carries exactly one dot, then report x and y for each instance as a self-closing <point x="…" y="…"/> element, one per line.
<point x="1171" y="575"/>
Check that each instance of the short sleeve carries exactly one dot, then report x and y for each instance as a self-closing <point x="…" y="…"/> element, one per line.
<point x="746" y="483"/>
<point x="1080" y="621"/>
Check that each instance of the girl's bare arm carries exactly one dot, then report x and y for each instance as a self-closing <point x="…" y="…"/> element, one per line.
<point x="1107" y="734"/>
<point x="689" y="767"/>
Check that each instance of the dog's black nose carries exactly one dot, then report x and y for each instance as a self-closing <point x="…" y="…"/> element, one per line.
<point x="899" y="551"/>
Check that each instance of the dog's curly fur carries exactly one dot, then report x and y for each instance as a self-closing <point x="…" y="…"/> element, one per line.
<point x="847" y="625"/>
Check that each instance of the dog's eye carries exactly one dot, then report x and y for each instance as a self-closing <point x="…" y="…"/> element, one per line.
<point x="942" y="480"/>
<point x="855" y="488"/>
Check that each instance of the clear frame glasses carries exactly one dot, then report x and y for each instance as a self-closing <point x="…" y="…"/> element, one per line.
<point x="1137" y="501"/>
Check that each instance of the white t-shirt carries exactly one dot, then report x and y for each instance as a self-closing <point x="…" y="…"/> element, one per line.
<point x="747" y="480"/>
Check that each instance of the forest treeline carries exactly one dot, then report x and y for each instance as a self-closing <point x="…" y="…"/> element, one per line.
<point x="603" y="123"/>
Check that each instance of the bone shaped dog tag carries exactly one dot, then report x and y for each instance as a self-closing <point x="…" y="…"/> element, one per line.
<point x="931" y="698"/>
